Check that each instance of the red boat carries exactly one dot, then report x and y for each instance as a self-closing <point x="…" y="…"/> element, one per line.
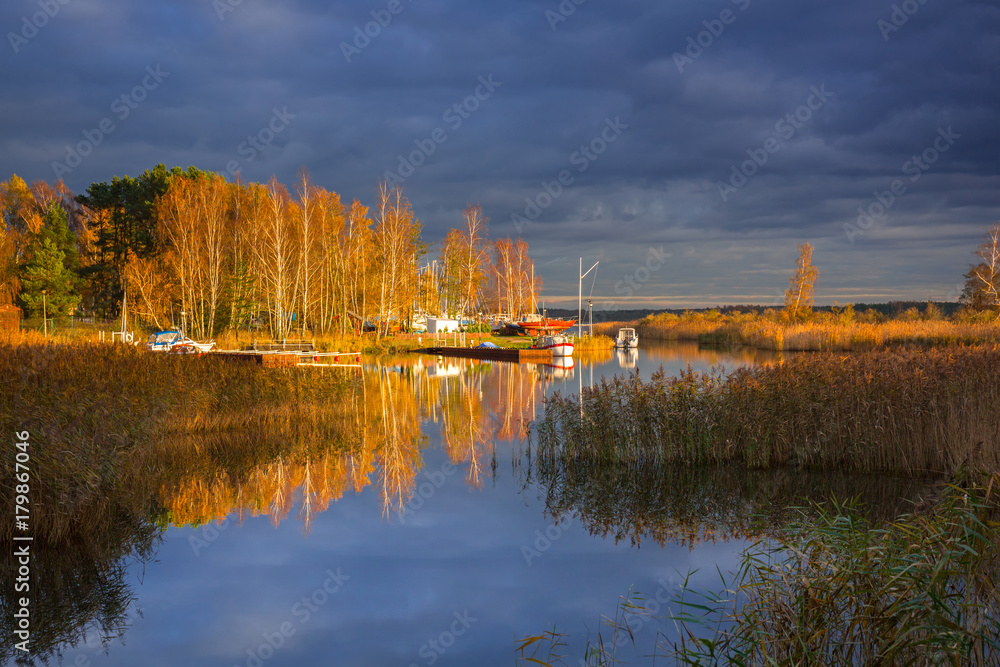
<point x="537" y="325"/>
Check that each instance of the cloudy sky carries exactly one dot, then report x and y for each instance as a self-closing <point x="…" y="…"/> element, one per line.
<point x="687" y="146"/>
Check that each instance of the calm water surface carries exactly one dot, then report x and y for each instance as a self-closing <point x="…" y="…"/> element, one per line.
<point x="435" y="543"/>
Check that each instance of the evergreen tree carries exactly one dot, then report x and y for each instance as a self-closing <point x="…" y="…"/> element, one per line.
<point x="47" y="284"/>
<point x="124" y="219"/>
<point x="55" y="227"/>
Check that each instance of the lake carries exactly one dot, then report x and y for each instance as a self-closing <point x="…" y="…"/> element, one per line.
<point x="435" y="539"/>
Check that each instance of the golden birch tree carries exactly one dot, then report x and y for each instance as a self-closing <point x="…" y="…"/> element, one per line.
<point x="799" y="295"/>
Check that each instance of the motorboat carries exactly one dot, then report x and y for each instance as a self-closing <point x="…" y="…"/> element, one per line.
<point x="627" y="338"/>
<point x="561" y="346"/>
<point x="175" y="342"/>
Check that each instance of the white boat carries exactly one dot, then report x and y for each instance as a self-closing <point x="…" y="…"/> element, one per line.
<point x="441" y="325"/>
<point x="175" y="342"/>
<point x="561" y="346"/>
<point x="627" y="338"/>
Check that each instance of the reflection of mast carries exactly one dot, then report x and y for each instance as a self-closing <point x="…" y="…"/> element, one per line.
<point x="306" y="511"/>
<point x="278" y="500"/>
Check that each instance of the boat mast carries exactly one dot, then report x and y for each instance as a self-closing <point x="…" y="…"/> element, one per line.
<point x="534" y="304"/>
<point x="579" y="303"/>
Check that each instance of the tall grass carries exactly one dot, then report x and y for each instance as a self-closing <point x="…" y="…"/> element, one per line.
<point x="831" y="588"/>
<point x="769" y="331"/>
<point x="88" y="407"/>
<point x="905" y="412"/>
<point x="596" y="342"/>
<point x="836" y="591"/>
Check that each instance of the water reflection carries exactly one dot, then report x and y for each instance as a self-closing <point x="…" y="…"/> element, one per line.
<point x="79" y="589"/>
<point x="692" y="506"/>
<point x="627" y="357"/>
<point x="375" y="439"/>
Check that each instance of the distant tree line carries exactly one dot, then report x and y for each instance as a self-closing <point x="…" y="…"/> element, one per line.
<point x="981" y="293"/>
<point x="186" y="244"/>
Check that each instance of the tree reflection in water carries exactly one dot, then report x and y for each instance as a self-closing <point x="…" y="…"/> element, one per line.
<point x="309" y="451"/>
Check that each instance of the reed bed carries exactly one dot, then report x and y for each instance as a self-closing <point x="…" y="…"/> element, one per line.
<point x="88" y="407"/>
<point x="830" y="587"/>
<point x="769" y="331"/>
<point x="834" y="590"/>
<point x="907" y="412"/>
<point x="596" y="342"/>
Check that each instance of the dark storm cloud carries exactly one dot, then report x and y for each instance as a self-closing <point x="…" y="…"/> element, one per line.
<point x="563" y="75"/>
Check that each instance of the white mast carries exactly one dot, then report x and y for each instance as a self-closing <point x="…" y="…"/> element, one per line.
<point x="579" y="303"/>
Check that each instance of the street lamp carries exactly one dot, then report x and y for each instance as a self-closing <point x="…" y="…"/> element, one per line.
<point x="579" y="305"/>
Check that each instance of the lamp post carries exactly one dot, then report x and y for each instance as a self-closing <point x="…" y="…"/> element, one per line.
<point x="579" y="303"/>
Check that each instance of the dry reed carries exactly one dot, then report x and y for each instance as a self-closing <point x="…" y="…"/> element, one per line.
<point x="905" y="412"/>
<point x="824" y="332"/>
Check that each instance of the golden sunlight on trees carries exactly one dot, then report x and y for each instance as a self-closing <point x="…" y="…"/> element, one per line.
<point x="989" y="276"/>
<point x="398" y="247"/>
<point x="512" y="286"/>
<point x="187" y="248"/>
<point x="799" y="295"/>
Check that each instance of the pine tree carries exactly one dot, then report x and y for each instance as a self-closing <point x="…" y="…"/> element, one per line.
<point x="47" y="284"/>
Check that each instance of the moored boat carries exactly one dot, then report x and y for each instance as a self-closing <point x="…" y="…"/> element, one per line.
<point x="627" y="338"/>
<point x="537" y="324"/>
<point x="175" y="342"/>
<point x="561" y="346"/>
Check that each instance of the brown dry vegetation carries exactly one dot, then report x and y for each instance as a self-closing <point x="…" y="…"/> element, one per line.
<point x="906" y="412"/>
<point x="841" y="332"/>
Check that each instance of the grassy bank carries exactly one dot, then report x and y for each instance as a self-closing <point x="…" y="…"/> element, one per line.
<point x="88" y="407"/>
<point x="837" y="590"/>
<point x="843" y="331"/>
<point x="368" y="343"/>
<point x="831" y="587"/>
<point x="906" y="412"/>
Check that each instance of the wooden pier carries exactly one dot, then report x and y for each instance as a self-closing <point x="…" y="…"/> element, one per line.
<point x="492" y="354"/>
<point x="288" y="359"/>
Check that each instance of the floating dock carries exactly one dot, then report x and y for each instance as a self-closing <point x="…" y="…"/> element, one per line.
<point x="287" y="359"/>
<point x="492" y="354"/>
